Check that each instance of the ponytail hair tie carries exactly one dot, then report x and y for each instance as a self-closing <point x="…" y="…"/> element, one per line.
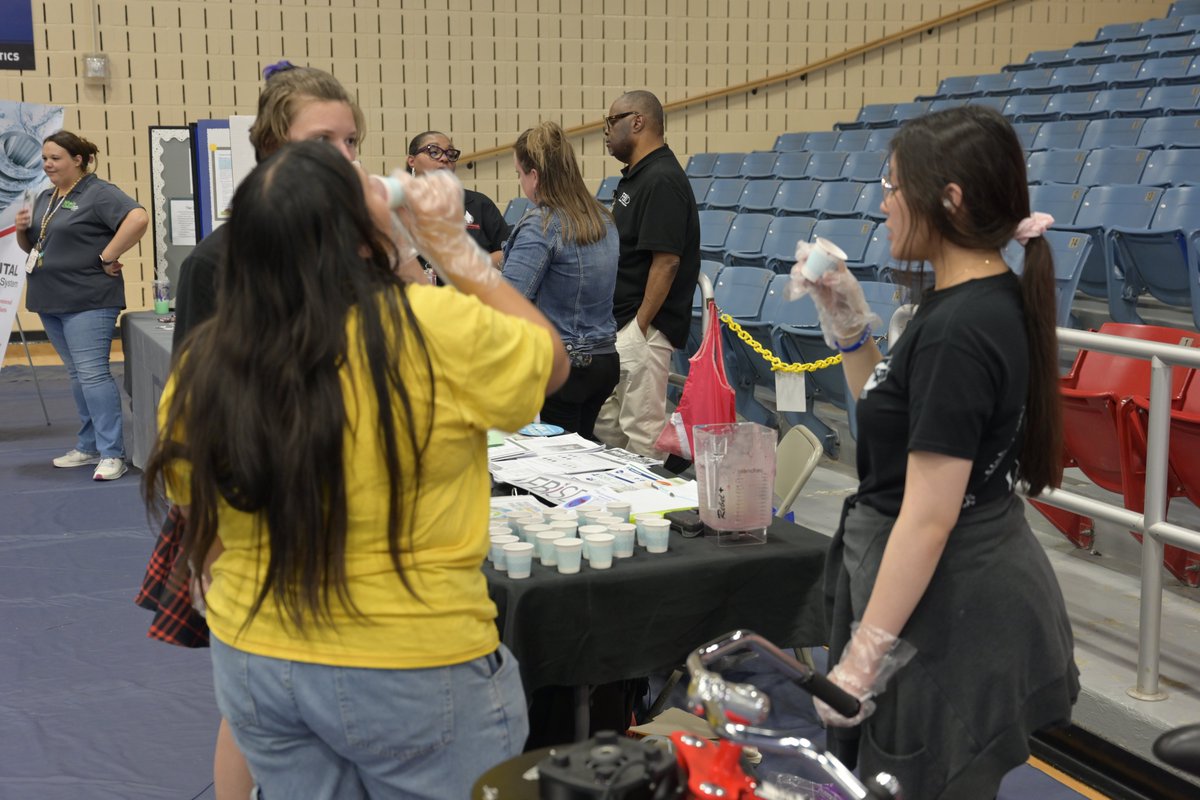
<point x="278" y="66"/>
<point x="1032" y="226"/>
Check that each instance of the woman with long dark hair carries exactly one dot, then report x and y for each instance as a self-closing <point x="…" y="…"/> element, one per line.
<point x="934" y="576"/>
<point x="325" y="434"/>
<point x="563" y="256"/>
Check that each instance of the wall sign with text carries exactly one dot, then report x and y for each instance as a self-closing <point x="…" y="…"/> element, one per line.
<point x="16" y="34"/>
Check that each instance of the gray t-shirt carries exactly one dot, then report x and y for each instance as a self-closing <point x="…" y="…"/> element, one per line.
<point x="70" y="278"/>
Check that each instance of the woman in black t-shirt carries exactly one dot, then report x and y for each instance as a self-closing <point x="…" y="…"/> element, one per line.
<point x="934" y="578"/>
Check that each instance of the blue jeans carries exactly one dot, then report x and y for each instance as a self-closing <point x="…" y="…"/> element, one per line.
<point x="316" y="731"/>
<point x="83" y="341"/>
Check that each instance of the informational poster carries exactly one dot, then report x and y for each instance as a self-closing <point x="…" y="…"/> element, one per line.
<point x="16" y="34"/>
<point x="22" y="128"/>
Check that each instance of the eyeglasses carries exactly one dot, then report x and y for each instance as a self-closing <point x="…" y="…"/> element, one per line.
<point x="435" y="152"/>
<point x="615" y="118"/>
<point x="889" y="188"/>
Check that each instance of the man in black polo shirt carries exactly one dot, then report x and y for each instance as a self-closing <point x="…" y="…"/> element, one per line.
<point x="659" y="262"/>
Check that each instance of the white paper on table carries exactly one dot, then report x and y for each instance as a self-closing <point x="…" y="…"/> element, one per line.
<point x="646" y="501"/>
<point x="567" y="443"/>
<point x="515" y="502"/>
<point x="566" y="464"/>
<point x="509" y="449"/>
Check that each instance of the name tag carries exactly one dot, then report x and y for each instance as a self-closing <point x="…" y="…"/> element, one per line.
<point x="32" y="261"/>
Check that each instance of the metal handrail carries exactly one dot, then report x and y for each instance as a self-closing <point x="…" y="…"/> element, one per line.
<point x="1152" y="523"/>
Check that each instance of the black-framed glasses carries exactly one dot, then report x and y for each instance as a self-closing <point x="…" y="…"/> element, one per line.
<point x="435" y="152"/>
<point x="615" y="118"/>
<point x="889" y="188"/>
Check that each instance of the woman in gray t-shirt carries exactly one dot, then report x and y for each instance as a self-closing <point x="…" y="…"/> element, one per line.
<point x="75" y="233"/>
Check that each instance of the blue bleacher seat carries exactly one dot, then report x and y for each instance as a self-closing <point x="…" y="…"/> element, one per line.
<point x="1174" y="45"/>
<point x="957" y="86"/>
<point x="1055" y="166"/>
<point x="740" y="293"/>
<point x="795" y="198"/>
<point x="1032" y="81"/>
<point x="759" y="197"/>
<point x="728" y="165"/>
<point x="1059" y="200"/>
<point x="1075" y="78"/>
<point x="880" y="139"/>
<point x="948" y="102"/>
<point x="1113" y="165"/>
<point x="607" y="186"/>
<point x="1109" y="103"/>
<point x="865" y="166"/>
<point x="743" y="244"/>
<point x="870" y="200"/>
<point x="907" y="111"/>
<point x="1119" y="30"/>
<point x="1026" y="133"/>
<point x="1126" y="49"/>
<point x="1190" y="22"/>
<point x="1043" y="59"/>
<point x="1104" y="208"/>
<point x="700" y="187"/>
<point x="1121" y="74"/>
<point x="1182" y="8"/>
<point x="821" y="140"/>
<point x="1119" y="132"/>
<point x="1171" y="132"/>
<point x="853" y="141"/>
<point x="1070" y="251"/>
<point x="779" y="245"/>
<point x="725" y="193"/>
<point x="1088" y="53"/>
<point x="516" y="209"/>
<point x="995" y="83"/>
<point x="1166" y="71"/>
<point x="825" y="165"/>
<point x="714" y="227"/>
<point x="701" y="165"/>
<point x="1065" y="135"/>
<point x="1178" y="99"/>
<point x="758" y="165"/>
<point x="852" y="235"/>
<point x="1161" y="26"/>
<point x="1073" y="105"/>
<point x="1172" y="167"/>
<point x="1027" y="108"/>
<point x="837" y="198"/>
<point x="792" y="164"/>
<point x="990" y="101"/>
<point x="876" y="114"/>
<point x="789" y="142"/>
<point x="1162" y="258"/>
<point x="775" y="308"/>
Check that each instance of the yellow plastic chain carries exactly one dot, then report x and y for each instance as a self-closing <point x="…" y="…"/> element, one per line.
<point x="777" y="364"/>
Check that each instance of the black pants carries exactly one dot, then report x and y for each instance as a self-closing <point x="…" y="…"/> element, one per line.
<point x="575" y="406"/>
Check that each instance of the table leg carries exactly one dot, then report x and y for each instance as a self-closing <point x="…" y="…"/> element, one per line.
<point x="582" y="712"/>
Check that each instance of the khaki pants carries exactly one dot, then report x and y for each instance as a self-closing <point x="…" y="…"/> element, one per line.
<point x="636" y="412"/>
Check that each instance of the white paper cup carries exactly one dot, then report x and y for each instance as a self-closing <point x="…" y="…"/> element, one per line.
<point x="619" y="510"/>
<point x="567" y="527"/>
<point x="518" y="559"/>
<point x="545" y="547"/>
<point x="591" y="515"/>
<point x="499" y="529"/>
<point x="623" y="539"/>
<point x="608" y="520"/>
<point x="822" y="257"/>
<point x="641" y="527"/>
<point x="600" y="550"/>
<point x="530" y="531"/>
<point x="568" y="553"/>
<point x="588" y="530"/>
<point x="497" y="553"/>
<point x="657" y="535"/>
<point x="561" y="513"/>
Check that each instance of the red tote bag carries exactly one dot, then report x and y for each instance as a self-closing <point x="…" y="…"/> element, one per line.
<point x="707" y="395"/>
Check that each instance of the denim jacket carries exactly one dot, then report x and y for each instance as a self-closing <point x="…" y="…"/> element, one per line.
<point x="572" y="284"/>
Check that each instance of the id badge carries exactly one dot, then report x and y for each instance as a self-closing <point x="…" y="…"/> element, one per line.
<point x="32" y="261"/>
<point x="789" y="392"/>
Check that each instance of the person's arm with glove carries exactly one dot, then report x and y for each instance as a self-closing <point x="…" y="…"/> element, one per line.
<point x="846" y="319"/>
<point x="432" y="214"/>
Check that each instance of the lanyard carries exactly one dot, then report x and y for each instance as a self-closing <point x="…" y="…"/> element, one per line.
<point x="51" y="210"/>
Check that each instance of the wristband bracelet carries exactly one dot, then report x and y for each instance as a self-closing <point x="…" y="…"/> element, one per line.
<point x="866" y="337"/>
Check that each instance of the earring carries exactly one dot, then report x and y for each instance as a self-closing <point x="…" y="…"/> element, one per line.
<point x="948" y="205"/>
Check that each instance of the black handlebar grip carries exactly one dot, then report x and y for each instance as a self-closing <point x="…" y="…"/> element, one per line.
<point x="831" y="694"/>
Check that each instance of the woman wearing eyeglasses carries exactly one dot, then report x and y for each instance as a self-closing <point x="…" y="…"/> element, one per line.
<point x="432" y="150"/>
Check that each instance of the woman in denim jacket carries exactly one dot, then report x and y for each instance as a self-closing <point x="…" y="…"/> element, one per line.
<point x="562" y="255"/>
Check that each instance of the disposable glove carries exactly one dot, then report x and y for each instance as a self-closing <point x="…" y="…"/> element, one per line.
<point x="868" y="662"/>
<point x="841" y="305"/>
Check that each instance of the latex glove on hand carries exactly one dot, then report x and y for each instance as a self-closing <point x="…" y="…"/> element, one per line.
<point x="432" y="213"/>
<point x="841" y="305"/>
<point x="870" y="659"/>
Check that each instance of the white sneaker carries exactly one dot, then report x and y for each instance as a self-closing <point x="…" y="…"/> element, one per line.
<point x="77" y="458"/>
<point x="109" y="469"/>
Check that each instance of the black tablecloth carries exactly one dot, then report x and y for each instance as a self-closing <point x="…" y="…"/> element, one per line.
<point x="646" y="613"/>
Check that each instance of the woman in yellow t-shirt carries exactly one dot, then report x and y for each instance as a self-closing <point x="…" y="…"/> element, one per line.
<point x="326" y="435"/>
